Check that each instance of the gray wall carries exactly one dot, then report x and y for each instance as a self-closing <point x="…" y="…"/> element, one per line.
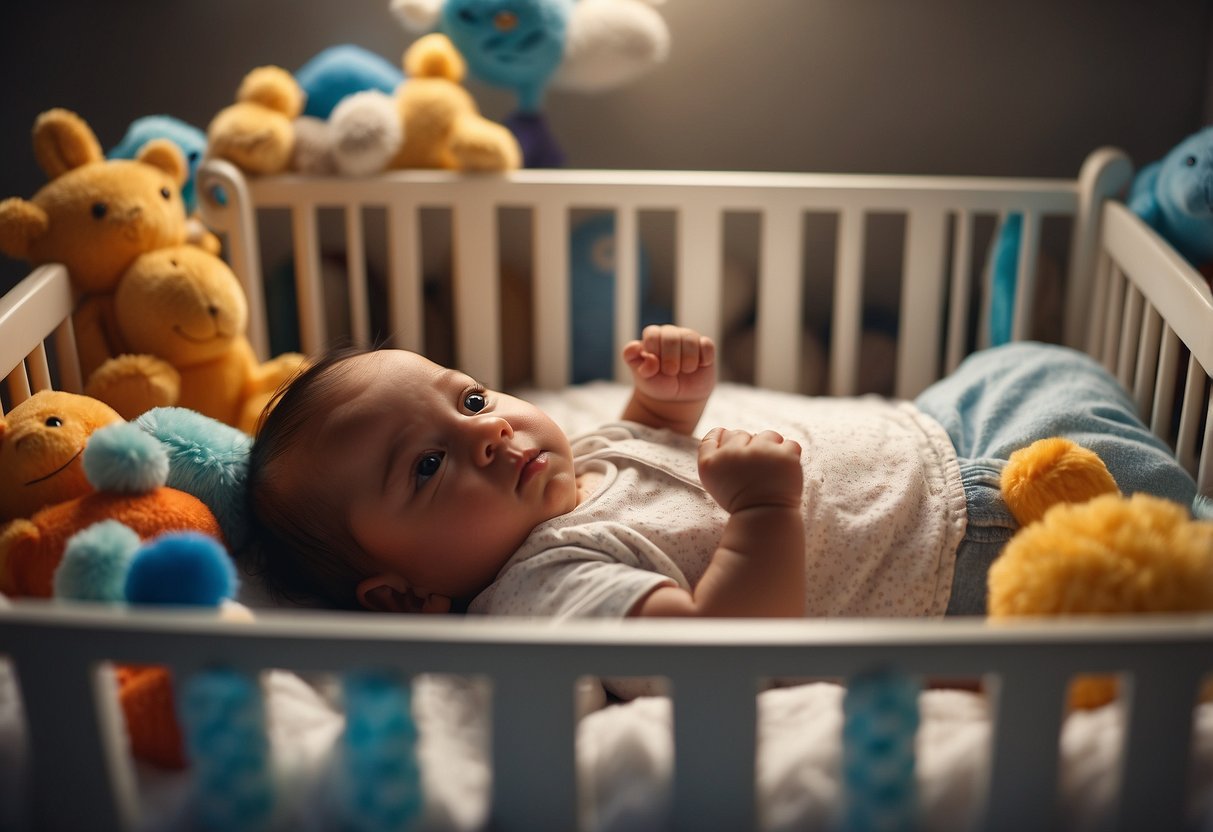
<point x="906" y="86"/>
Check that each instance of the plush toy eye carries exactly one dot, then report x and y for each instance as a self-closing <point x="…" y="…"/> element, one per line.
<point x="193" y="157"/>
<point x="53" y="422"/>
<point x="99" y="209"/>
<point x="1190" y="161"/>
<point x="166" y="193"/>
<point x="466" y="16"/>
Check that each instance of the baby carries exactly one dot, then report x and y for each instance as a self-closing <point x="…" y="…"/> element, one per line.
<point x="382" y="480"/>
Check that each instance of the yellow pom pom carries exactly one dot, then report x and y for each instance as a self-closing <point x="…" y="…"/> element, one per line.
<point x="1052" y="471"/>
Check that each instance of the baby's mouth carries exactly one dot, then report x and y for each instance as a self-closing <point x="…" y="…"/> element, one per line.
<point x="532" y="463"/>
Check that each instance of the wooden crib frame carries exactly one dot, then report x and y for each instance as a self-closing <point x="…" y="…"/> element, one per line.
<point x="1131" y="301"/>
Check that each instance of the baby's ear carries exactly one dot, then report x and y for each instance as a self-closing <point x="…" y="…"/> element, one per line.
<point x="391" y="593"/>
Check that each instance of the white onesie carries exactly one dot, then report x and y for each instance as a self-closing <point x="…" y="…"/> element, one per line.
<point x="884" y="511"/>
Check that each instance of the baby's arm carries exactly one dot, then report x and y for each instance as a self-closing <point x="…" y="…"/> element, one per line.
<point x="673" y="373"/>
<point x="758" y="568"/>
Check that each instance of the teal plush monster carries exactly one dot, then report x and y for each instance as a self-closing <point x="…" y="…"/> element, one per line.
<point x="1174" y="196"/>
<point x="526" y="46"/>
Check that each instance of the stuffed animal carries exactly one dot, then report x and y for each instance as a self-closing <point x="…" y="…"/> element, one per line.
<point x="192" y="143"/>
<point x="95" y="216"/>
<point x="1174" y="196"/>
<point x="41" y="442"/>
<point x="185" y="307"/>
<point x="127" y="467"/>
<point x="109" y="562"/>
<point x="525" y="46"/>
<point x="1084" y="549"/>
<point x="429" y="122"/>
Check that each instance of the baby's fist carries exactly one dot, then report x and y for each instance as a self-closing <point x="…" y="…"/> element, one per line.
<point x="744" y="470"/>
<point x="672" y="363"/>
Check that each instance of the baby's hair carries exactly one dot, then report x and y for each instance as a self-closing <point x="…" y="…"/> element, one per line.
<point x="302" y="549"/>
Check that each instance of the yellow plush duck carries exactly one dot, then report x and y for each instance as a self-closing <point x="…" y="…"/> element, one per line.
<point x="1085" y="549"/>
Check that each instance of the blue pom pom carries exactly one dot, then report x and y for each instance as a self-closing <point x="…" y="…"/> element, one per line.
<point x="340" y="71"/>
<point x="120" y="457"/>
<point x="181" y="568"/>
<point x="95" y="562"/>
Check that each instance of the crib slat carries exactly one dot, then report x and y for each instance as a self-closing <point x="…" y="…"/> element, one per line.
<point x="958" y="307"/>
<point x="355" y="269"/>
<point x="848" y="304"/>
<point x="551" y="295"/>
<point x="780" y="298"/>
<point x="1164" y="394"/>
<point x="697" y="287"/>
<point x="1185" y="443"/>
<point x="477" y="290"/>
<point x="68" y="358"/>
<point x="404" y="292"/>
<point x="1101" y="285"/>
<point x="715" y="730"/>
<point x="313" y="333"/>
<point x="18" y="384"/>
<point x="39" y="369"/>
<point x="921" y="298"/>
<point x="1112" y="317"/>
<point x="1204" y="466"/>
<point x="1025" y="281"/>
<point x="627" y="292"/>
<point x="82" y="779"/>
<point x="1154" y="760"/>
<point x="1022" y="788"/>
<point x="1129" y="332"/>
<point x="1147" y="360"/>
<point x="534" y="771"/>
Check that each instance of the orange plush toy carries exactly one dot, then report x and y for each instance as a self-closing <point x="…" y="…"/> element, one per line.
<point x="95" y="216"/>
<point x="128" y="469"/>
<point x="41" y="442"/>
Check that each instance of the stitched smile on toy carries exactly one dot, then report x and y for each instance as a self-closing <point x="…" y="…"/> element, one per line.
<point x="57" y="470"/>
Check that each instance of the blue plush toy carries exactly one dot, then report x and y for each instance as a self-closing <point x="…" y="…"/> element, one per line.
<point x="525" y="46"/>
<point x="1174" y="196"/>
<point x="190" y="139"/>
<point x="340" y="71"/>
<point x="592" y="297"/>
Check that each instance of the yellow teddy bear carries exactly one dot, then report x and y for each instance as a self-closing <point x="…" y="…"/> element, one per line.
<point x="430" y="122"/>
<point x="1084" y="549"/>
<point x="95" y="216"/>
<point x="184" y="307"/>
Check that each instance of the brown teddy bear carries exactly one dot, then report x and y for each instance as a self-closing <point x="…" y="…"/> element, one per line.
<point x="1084" y="549"/>
<point x="184" y="307"/>
<point x="432" y="122"/>
<point x="95" y="216"/>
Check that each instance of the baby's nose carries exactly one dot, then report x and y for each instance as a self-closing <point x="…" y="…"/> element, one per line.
<point x="489" y="433"/>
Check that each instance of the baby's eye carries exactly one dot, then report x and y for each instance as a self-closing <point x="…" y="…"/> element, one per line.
<point x="475" y="401"/>
<point x="427" y="467"/>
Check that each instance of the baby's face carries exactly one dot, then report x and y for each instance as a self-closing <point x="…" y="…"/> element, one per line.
<point x="444" y="479"/>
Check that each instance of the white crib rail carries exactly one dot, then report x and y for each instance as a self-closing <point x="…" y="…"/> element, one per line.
<point x="533" y="667"/>
<point x="37" y="309"/>
<point x="939" y="213"/>
<point x="1149" y="307"/>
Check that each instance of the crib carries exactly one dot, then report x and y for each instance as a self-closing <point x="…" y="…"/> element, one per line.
<point x="1129" y="300"/>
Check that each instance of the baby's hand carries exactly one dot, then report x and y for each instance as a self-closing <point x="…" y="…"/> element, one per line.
<point x="744" y="470"/>
<point x="672" y="364"/>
